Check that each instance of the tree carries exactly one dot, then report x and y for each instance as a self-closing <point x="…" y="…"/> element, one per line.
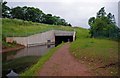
<point x="91" y="21"/>
<point x="48" y="19"/>
<point x="101" y="12"/>
<point x="69" y="25"/>
<point x="104" y="26"/>
<point x="5" y="10"/>
<point x="31" y="14"/>
<point x="17" y="12"/>
<point x="111" y="18"/>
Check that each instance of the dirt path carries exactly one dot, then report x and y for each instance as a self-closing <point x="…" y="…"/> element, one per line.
<point x="62" y="63"/>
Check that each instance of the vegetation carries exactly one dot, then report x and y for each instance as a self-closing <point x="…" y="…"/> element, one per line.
<point x="92" y="51"/>
<point x="20" y="28"/>
<point x="15" y="27"/>
<point x="31" y="14"/>
<point x="97" y="53"/>
<point x="104" y="25"/>
<point x="35" y="68"/>
<point x="103" y="51"/>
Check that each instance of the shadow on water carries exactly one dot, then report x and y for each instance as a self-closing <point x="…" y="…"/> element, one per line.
<point x="22" y="59"/>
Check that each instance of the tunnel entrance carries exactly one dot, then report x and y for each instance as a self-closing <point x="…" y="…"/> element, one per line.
<point x="59" y="39"/>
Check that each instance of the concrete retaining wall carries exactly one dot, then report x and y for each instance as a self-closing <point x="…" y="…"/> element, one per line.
<point x="41" y="38"/>
<point x="19" y="40"/>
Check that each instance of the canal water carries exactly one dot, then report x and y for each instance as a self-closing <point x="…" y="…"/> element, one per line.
<point x="22" y="59"/>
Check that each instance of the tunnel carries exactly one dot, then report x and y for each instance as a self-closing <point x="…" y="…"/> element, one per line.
<point x="59" y="39"/>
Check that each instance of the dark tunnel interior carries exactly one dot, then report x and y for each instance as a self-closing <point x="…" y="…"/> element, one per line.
<point x="59" y="39"/>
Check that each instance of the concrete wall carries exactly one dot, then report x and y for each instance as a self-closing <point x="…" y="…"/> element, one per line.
<point x="39" y="39"/>
<point x="63" y="33"/>
<point x="19" y="40"/>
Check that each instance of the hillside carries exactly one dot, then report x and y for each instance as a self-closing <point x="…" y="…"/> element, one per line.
<point x="15" y="27"/>
<point x="18" y="28"/>
<point x="99" y="54"/>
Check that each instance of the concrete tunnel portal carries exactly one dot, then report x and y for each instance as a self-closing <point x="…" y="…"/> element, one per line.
<point x="49" y="37"/>
<point x="60" y="39"/>
<point x="65" y="36"/>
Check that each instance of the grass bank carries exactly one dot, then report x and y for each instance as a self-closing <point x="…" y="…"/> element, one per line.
<point x="20" y="28"/>
<point x="32" y="71"/>
<point x="15" y="27"/>
<point x="99" y="54"/>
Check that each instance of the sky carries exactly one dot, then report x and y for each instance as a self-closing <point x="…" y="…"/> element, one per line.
<point x="76" y="12"/>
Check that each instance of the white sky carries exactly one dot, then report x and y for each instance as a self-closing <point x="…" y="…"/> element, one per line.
<point x="76" y="12"/>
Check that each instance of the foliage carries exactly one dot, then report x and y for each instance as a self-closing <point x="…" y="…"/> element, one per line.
<point x="104" y="25"/>
<point x="96" y="53"/>
<point x="5" y="10"/>
<point x="31" y="14"/>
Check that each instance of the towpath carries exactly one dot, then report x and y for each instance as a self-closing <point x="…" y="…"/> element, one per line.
<point x="62" y="63"/>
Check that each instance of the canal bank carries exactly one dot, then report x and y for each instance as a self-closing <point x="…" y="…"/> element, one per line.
<point x="21" y="59"/>
<point x="33" y="70"/>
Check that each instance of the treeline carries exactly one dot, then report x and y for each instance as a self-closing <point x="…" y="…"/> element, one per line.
<point x="104" y="25"/>
<point x="31" y="14"/>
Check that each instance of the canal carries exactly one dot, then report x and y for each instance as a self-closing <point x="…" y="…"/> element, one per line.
<point x="22" y="59"/>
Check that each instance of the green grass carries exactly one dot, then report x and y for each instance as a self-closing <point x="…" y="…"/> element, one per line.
<point x="15" y="27"/>
<point x="18" y="28"/>
<point x="35" y="68"/>
<point x="95" y="51"/>
<point x="106" y="50"/>
<point x="81" y="33"/>
<point x="92" y="51"/>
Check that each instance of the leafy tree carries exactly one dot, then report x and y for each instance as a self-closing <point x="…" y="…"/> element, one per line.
<point x="48" y="19"/>
<point x="104" y="26"/>
<point x="111" y="18"/>
<point x="101" y="12"/>
<point x="17" y="12"/>
<point x="32" y="14"/>
<point x="5" y="10"/>
<point x="91" y="21"/>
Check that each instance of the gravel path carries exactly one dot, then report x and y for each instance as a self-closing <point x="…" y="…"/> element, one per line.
<point x="62" y="63"/>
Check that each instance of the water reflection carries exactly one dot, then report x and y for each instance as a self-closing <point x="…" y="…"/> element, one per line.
<point x="28" y="51"/>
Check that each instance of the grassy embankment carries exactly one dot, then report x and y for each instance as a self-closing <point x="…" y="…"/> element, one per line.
<point x="101" y="55"/>
<point x="96" y="53"/>
<point x="15" y="27"/>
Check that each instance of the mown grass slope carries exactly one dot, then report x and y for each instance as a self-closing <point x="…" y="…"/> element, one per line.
<point x="100" y="54"/>
<point x="15" y="27"/>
